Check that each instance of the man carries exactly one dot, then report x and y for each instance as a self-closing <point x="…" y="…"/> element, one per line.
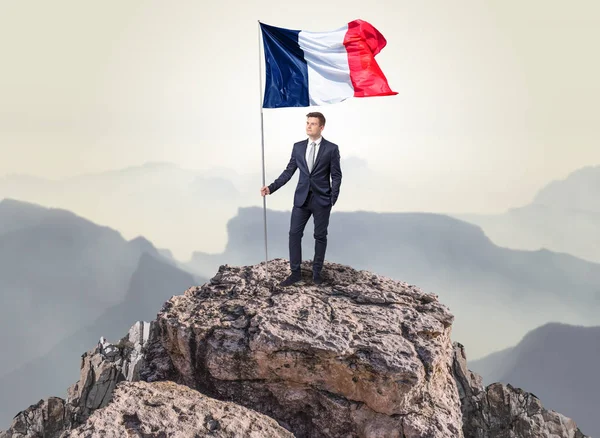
<point x="318" y="161"/>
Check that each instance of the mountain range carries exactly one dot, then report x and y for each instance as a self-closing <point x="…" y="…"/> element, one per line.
<point x="65" y="282"/>
<point x="152" y="198"/>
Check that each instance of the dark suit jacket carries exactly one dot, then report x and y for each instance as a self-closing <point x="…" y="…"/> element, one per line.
<point x="327" y="165"/>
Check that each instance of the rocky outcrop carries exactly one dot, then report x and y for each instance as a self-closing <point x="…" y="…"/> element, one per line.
<point x="359" y="356"/>
<point x="502" y="411"/>
<point x="166" y="409"/>
<point x="362" y="354"/>
<point x="47" y="418"/>
<point x="101" y="369"/>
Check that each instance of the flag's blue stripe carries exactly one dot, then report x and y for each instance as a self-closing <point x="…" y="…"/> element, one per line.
<point x="286" y="69"/>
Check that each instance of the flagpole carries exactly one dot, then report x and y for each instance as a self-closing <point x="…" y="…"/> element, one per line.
<point x="262" y="141"/>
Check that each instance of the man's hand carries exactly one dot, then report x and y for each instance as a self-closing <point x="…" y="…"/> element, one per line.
<point x="264" y="191"/>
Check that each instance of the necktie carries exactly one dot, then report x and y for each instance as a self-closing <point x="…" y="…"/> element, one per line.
<point x="311" y="156"/>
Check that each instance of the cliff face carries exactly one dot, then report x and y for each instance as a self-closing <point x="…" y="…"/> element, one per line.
<point x="359" y="356"/>
<point x="503" y="411"/>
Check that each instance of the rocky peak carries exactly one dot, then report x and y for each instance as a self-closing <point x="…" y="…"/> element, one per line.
<point x="360" y="352"/>
<point x="361" y="355"/>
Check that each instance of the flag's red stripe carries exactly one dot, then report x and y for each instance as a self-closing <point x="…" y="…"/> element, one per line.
<point x="362" y="43"/>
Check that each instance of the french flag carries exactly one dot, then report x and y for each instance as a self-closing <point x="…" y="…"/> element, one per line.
<point x="319" y="68"/>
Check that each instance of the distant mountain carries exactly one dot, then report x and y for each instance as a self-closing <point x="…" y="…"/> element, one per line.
<point x="160" y="201"/>
<point x="181" y="209"/>
<point x="494" y="365"/>
<point x="58" y="272"/>
<point x="151" y="285"/>
<point x="496" y="294"/>
<point x="559" y="364"/>
<point x="579" y="191"/>
<point x="564" y="216"/>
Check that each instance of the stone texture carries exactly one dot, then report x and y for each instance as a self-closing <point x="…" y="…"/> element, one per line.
<point x="166" y="409"/>
<point x="101" y="369"/>
<point x="360" y="355"/>
<point x="44" y="419"/>
<point x="502" y="411"/>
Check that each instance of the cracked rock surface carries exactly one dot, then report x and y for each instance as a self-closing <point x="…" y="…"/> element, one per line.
<point x="360" y="355"/>
<point x="166" y="409"/>
<point x="100" y="371"/>
<point x="503" y="411"/>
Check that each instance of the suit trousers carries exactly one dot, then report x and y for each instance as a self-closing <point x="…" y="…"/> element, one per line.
<point x="300" y="216"/>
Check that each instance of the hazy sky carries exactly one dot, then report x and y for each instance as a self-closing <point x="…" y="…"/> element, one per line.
<point x="495" y="98"/>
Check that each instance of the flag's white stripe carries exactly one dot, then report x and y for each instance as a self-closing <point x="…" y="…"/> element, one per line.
<point x="328" y="70"/>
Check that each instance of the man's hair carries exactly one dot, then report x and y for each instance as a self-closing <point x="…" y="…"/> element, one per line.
<point x="319" y="116"/>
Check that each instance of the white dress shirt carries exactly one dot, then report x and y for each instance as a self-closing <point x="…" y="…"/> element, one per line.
<point x="318" y="143"/>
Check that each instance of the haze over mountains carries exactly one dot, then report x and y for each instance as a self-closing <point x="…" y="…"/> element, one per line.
<point x="150" y="199"/>
<point x="559" y="364"/>
<point x="564" y="216"/>
<point x="185" y="210"/>
<point x="158" y="200"/>
<point x="57" y="272"/>
<point x="65" y="282"/>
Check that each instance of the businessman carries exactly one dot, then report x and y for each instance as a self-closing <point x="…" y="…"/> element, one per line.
<point x="317" y="191"/>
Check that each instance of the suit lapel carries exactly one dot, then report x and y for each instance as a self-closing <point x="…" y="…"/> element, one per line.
<point x="304" y="155"/>
<point x="322" y="146"/>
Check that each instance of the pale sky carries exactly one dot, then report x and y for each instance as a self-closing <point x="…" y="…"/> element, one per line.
<point x="495" y="99"/>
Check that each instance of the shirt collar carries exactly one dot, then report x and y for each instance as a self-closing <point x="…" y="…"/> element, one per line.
<point x="317" y="142"/>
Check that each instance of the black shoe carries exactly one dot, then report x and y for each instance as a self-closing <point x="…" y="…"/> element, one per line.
<point x="293" y="278"/>
<point x="317" y="279"/>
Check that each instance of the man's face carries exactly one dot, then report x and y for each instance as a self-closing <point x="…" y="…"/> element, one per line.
<point x="313" y="128"/>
